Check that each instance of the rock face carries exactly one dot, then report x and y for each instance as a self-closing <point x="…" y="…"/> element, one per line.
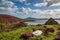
<point x="51" y="21"/>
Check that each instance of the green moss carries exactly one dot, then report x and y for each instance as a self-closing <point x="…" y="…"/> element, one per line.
<point x="16" y="33"/>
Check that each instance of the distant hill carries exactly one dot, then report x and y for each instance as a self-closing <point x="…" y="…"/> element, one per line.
<point x="8" y="18"/>
<point x="51" y="21"/>
<point x="31" y="18"/>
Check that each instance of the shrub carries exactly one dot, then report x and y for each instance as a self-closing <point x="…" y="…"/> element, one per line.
<point x="20" y="24"/>
<point x="49" y="30"/>
<point x="26" y="35"/>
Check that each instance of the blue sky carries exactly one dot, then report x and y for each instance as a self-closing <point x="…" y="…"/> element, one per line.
<point x="31" y="8"/>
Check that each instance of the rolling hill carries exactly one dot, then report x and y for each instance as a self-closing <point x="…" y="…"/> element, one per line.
<point x="8" y="18"/>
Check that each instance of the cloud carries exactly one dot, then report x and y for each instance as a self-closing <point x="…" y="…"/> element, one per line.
<point x="37" y="13"/>
<point x="6" y="4"/>
<point x="7" y="10"/>
<point x="27" y="3"/>
<point x="7" y="7"/>
<point x="25" y="10"/>
<point x="19" y="1"/>
<point x="22" y="0"/>
<point x="56" y="4"/>
<point x="48" y="3"/>
<point x="53" y="2"/>
<point x="40" y="4"/>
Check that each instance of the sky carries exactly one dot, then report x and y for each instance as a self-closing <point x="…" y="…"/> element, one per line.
<point x="31" y="8"/>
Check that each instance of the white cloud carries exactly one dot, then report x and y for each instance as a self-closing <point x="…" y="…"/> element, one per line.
<point x="25" y="10"/>
<point x="7" y="7"/>
<point x="6" y="4"/>
<point x="48" y="3"/>
<point x="22" y="0"/>
<point x="56" y="4"/>
<point x="4" y="10"/>
<point x="27" y="3"/>
<point x="41" y="13"/>
<point x="40" y="4"/>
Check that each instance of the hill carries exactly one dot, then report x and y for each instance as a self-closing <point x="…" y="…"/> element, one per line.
<point x="8" y="22"/>
<point x="51" y="21"/>
<point x="31" y="18"/>
<point x="8" y="18"/>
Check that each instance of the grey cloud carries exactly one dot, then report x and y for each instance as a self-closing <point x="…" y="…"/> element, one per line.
<point x="52" y="2"/>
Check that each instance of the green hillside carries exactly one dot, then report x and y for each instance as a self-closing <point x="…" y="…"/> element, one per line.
<point x="15" y="34"/>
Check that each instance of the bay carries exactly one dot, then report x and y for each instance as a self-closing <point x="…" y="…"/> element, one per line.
<point x="36" y="22"/>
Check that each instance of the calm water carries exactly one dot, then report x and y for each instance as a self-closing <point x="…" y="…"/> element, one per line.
<point x="39" y="22"/>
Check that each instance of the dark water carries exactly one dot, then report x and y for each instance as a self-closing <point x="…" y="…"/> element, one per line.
<point x="36" y="22"/>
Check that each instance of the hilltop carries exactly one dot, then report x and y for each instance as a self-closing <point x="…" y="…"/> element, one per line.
<point x="51" y="21"/>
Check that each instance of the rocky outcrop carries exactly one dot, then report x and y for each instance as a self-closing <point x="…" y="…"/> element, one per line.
<point x="51" y="21"/>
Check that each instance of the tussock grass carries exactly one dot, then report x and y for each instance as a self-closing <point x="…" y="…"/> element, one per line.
<point x="16" y="33"/>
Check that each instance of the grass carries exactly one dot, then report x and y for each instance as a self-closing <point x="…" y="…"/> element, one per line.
<point x="16" y="33"/>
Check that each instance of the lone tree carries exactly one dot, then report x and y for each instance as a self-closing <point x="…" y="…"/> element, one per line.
<point x="51" y="21"/>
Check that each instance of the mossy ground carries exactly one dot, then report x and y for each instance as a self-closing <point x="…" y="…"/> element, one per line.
<point x="16" y="33"/>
